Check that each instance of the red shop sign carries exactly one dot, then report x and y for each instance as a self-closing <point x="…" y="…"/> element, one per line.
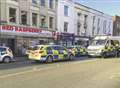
<point x="20" y="29"/>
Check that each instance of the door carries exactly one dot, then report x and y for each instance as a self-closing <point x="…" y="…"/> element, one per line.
<point x="11" y="44"/>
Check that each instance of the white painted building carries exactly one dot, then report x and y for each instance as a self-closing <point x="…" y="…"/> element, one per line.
<point x="90" y="22"/>
<point x="81" y="21"/>
<point x="65" y="20"/>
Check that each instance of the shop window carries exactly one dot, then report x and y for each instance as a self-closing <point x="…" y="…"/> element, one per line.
<point x="24" y="17"/>
<point x="12" y="15"/>
<point x="34" y="19"/>
<point x="65" y="26"/>
<point x="51" y="22"/>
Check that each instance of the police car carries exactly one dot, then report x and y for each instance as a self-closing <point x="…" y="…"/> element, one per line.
<point x="49" y="53"/>
<point x="6" y="54"/>
<point x="77" y="50"/>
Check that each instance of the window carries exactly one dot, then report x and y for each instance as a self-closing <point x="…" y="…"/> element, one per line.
<point x="78" y="23"/>
<point x="66" y="10"/>
<point x="104" y="26"/>
<point x="12" y="15"/>
<point x="42" y="2"/>
<point x="78" y="14"/>
<point x="65" y="26"/>
<point x="34" y="1"/>
<point x="48" y="48"/>
<point x="85" y="21"/>
<point x="43" y="21"/>
<point x="93" y="20"/>
<point x="15" y="0"/>
<point x="34" y="19"/>
<point x="78" y="27"/>
<point x="98" y="24"/>
<point x="93" y="29"/>
<point x="51" y="22"/>
<point x="51" y="4"/>
<point x="109" y="29"/>
<point x="23" y="17"/>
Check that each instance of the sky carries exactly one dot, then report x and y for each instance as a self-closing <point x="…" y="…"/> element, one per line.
<point x="111" y="7"/>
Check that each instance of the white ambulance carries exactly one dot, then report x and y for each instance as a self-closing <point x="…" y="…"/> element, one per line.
<point x="104" y="46"/>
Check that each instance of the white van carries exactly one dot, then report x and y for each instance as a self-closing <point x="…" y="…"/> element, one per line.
<point x="104" y="46"/>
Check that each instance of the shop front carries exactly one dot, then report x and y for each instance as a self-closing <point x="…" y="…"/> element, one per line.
<point x="20" y="38"/>
<point x="66" y="39"/>
<point x="82" y="40"/>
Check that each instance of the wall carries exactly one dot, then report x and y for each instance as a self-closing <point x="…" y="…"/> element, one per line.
<point x="83" y="10"/>
<point x="62" y="18"/>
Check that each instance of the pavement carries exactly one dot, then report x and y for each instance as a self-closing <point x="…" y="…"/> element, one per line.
<point x="89" y="73"/>
<point x="20" y="58"/>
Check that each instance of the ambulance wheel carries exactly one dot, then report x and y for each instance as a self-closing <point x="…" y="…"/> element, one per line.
<point x="49" y="59"/>
<point x="118" y="54"/>
<point x="6" y="59"/>
<point x="71" y="57"/>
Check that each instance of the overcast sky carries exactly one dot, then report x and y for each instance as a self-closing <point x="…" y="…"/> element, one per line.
<point x="111" y="7"/>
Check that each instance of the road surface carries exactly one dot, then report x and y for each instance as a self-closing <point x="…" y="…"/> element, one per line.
<point x="93" y="73"/>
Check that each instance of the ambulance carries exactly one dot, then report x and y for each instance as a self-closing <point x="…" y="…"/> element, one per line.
<point x="104" y="46"/>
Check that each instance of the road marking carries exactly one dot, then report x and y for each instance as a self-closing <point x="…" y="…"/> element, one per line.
<point x="25" y="72"/>
<point x="116" y="75"/>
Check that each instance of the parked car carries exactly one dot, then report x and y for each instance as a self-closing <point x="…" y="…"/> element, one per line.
<point x="49" y="53"/>
<point x="6" y="54"/>
<point x="77" y="50"/>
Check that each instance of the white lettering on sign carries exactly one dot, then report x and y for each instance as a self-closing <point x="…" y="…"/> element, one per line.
<point x="25" y="31"/>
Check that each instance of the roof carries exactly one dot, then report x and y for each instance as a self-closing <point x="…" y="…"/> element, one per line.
<point x="107" y="37"/>
<point x="92" y="9"/>
<point x="115" y="38"/>
<point x="3" y="47"/>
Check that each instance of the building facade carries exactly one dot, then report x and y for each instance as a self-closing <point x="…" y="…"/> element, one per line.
<point x="77" y="23"/>
<point x="116" y="26"/>
<point x="65" y="22"/>
<point x="90" y="22"/>
<point x="25" y="23"/>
